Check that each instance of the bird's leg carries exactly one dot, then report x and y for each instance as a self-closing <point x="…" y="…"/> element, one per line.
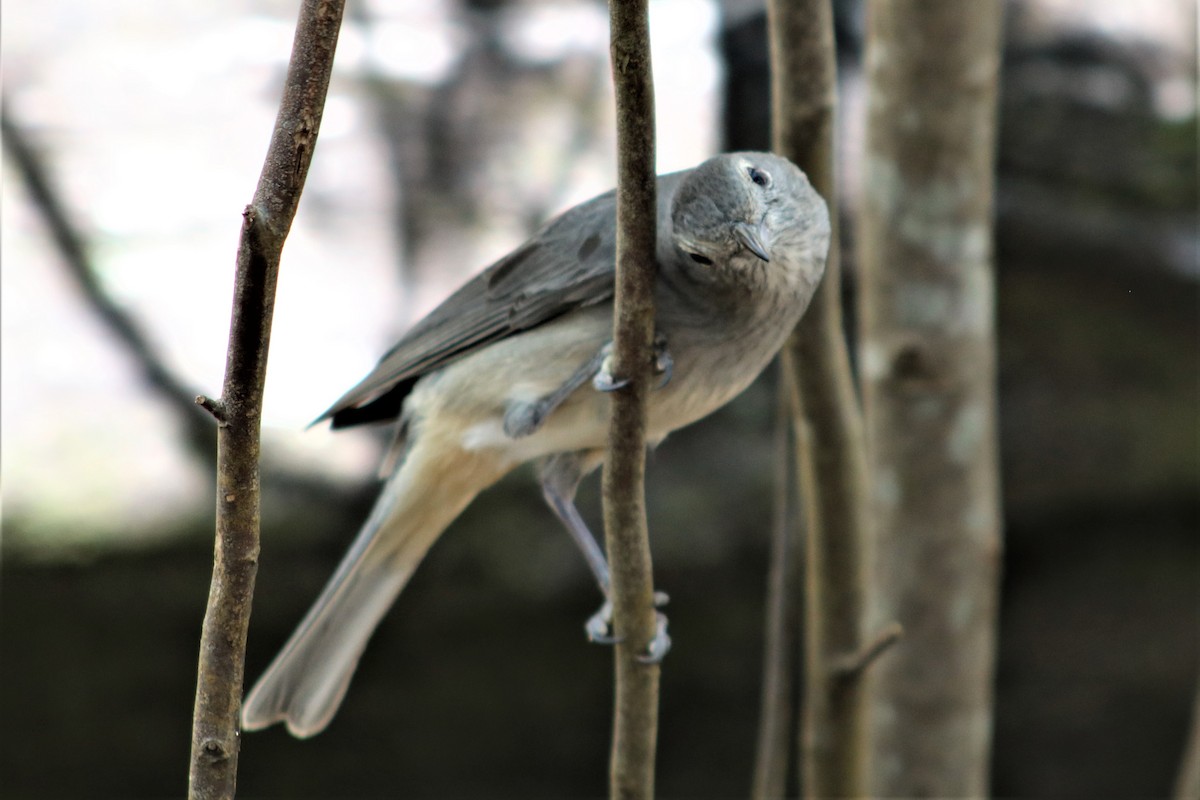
<point x="664" y="365"/>
<point x="560" y="477"/>
<point x="524" y="418"/>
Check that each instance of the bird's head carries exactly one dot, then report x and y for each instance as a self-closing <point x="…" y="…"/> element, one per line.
<point x="746" y="211"/>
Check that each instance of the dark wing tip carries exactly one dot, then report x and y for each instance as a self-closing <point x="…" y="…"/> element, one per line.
<point x="384" y="408"/>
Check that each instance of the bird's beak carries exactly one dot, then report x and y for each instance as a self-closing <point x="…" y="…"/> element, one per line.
<point x="755" y="238"/>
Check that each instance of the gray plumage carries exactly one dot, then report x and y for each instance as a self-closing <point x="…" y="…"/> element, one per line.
<point x="500" y="374"/>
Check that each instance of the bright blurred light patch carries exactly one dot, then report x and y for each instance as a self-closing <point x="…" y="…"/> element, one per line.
<point x="681" y="21"/>
<point x="544" y="34"/>
<point x="686" y="74"/>
<point x="351" y="48"/>
<point x="38" y="107"/>
<point x="418" y="50"/>
<point x="252" y="40"/>
<point x="342" y="116"/>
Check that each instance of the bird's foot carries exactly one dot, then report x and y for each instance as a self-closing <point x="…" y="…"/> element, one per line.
<point x="660" y="645"/>
<point x="664" y="365"/>
<point x="605" y="381"/>
<point x="523" y="418"/>
<point x="599" y="625"/>
<point x="599" y="630"/>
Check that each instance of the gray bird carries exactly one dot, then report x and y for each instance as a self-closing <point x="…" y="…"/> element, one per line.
<point x="513" y="368"/>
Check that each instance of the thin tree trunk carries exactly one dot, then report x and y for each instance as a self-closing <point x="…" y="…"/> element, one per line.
<point x="830" y="432"/>
<point x="781" y="651"/>
<point x="265" y="225"/>
<point x="928" y="355"/>
<point x="635" y="722"/>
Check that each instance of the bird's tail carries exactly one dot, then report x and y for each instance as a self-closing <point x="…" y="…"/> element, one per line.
<point x="306" y="682"/>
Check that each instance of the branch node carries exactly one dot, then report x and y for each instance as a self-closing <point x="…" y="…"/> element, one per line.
<point x="215" y="751"/>
<point x="265" y="225"/>
<point x="214" y="407"/>
<point x="853" y="666"/>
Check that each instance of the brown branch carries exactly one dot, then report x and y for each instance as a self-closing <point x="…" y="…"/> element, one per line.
<point x="832" y="448"/>
<point x="213" y="407"/>
<point x="76" y="256"/>
<point x="780" y="648"/>
<point x="929" y="388"/>
<point x="635" y="723"/>
<point x="266" y="222"/>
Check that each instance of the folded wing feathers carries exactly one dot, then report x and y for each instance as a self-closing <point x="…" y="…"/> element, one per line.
<point x="568" y="264"/>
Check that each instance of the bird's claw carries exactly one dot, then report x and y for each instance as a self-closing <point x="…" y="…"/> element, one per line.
<point x="604" y="380"/>
<point x="660" y="645"/>
<point x="664" y="365"/>
<point x="599" y="625"/>
<point x="599" y="630"/>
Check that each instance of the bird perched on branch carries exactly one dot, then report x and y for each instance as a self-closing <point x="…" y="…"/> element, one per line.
<point x="513" y="367"/>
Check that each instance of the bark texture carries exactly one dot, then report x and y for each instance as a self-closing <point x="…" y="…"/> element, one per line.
<point x="265" y="225"/>
<point x="774" y="750"/>
<point x="829" y="426"/>
<point x="635" y="722"/>
<point x="928" y="361"/>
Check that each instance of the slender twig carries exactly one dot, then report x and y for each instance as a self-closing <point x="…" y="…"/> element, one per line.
<point x="76" y="256"/>
<point x="833" y="453"/>
<point x="635" y="724"/>
<point x="213" y="407"/>
<point x="780" y="649"/>
<point x="266" y="222"/>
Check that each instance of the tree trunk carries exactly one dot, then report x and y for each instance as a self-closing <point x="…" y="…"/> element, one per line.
<point x="829" y="425"/>
<point x="775" y="750"/>
<point x="928" y="362"/>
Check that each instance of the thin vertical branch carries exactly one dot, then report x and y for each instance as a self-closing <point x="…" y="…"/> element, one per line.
<point x="781" y="650"/>
<point x="830" y="431"/>
<point x="635" y="724"/>
<point x="265" y="225"/>
<point x="929" y="386"/>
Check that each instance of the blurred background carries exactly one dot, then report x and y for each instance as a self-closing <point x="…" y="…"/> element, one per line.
<point x="452" y="130"/>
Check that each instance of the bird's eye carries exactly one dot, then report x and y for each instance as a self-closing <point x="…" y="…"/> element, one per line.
<point x="758" y="176"/>
<point x="699" y="259"/>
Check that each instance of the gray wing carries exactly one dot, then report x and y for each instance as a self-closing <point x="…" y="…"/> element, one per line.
<point x="567" y="265"/>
